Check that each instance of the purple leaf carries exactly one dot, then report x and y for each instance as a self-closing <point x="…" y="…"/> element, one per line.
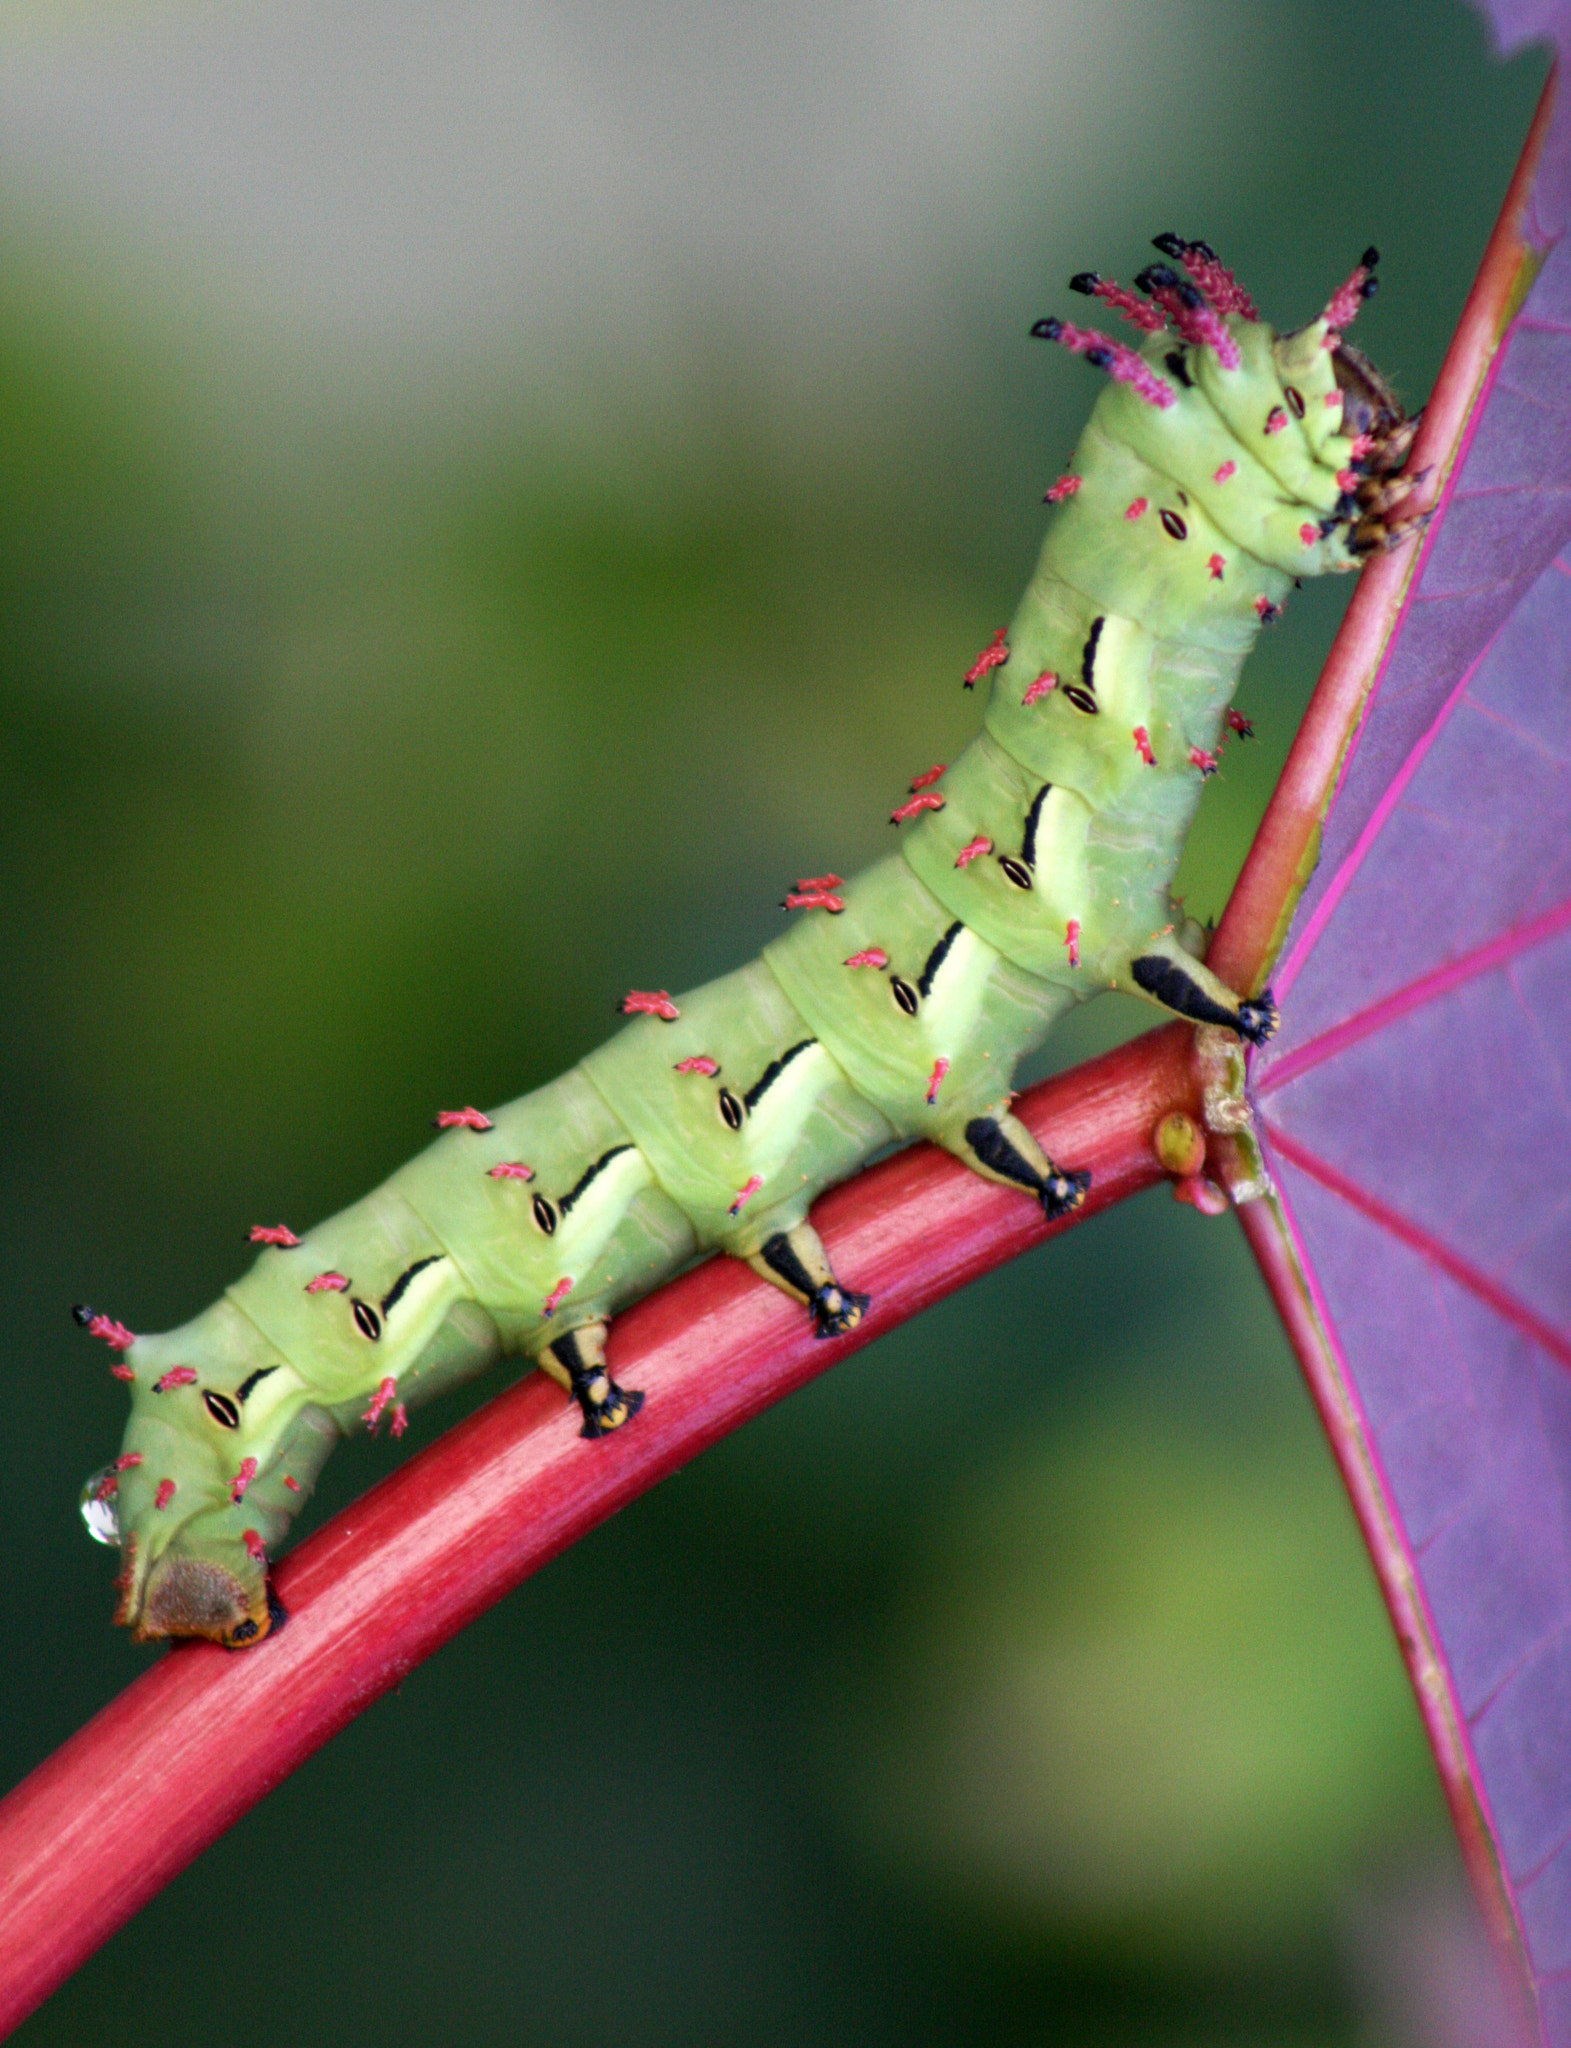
<point x="1417" y="1115"/>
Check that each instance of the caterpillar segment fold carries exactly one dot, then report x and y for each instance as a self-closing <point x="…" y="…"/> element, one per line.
<point x="1221" y="462"/>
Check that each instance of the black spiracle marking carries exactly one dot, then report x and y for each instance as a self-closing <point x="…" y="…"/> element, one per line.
<point x="248" y="1384"/>
<point x="731" y="1110"/>
<point x="222" y="1409"/>
<point x="1015" y="871"/>
<point x="1173" y="526"/>
<point x="367" y="1321"/>
<point x="1082" y="699"/>
<point x="1178" y="368"/>
<point x="1295" y="399"/>
<point x="905" y="995"/>
<point x="545" y="1213"/>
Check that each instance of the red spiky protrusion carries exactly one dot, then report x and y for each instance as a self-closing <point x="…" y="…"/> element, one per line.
<point x="105" y="1328"/>
<point x="272" y="1233"/>
<point x="1206" y="763"/>
<point x="641" y="1002"/>
<point x="870" y="956"/>
<point x="1237" y="722"/>
<point x="328" y="1283"/>
<point x="291" y="1482"/>
<point x="1066" y="487"/>
<point x="1267" y="612"/>
<point x="1143" y="746"/>
<point x="993" y="655"/>
<point x="165" y="1494"/>
<point x="1103" y="353"/>
<point x="936" y="1079"/>
<point x="177" y="1376"/>
<point x="510" y="1169"/>
<point x="815" y="882"/>
<point x="814" y="899"/>
<point x="699" y="1063"/>
<point x="252" y="1540"/>
<point x="1137" y="507"/>
<point x="1209" y="273"/>
<point x="1308" y="534"/>
<point x="745" y="1194"/>
<point x="400" y="1419"/>
<point x="381" y="1401"/>
<point x="557" y="1296"/>
<point x="1216" y="564"/>
<point x="1072" y="941"/>
<point x="928" y="800"/>
<point x="1342" y="307"/>
<point x="1276" y="419"/>
<point x="128" y="1461"/>
<point x="973" y="850"/>
<point x="1195" y="318"/>
<point x="240" y="1485"/>
<point x="461" y="1120"/>
<point x="1139" y="312"/>
<point x="1228" y="470"/>
<point x="1036" y="691"/>
<point x="928" y="777"/>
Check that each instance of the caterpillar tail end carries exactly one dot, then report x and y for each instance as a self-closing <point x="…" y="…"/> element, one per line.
<point x="225" y="1598"/>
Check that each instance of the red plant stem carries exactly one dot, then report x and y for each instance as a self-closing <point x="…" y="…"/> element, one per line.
<point x="1285" y="848"/>
<point x="196" y="1741"/>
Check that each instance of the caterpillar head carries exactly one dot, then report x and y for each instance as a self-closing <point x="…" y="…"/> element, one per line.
<point x="221" y="1450"/>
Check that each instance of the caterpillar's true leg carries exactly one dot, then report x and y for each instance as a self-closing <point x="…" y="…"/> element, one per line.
<point x="1174" y="978"/>
<point x="798" y="1265"/>
<point x="576" y="1361"/>
<point x="1001" y="1148"/>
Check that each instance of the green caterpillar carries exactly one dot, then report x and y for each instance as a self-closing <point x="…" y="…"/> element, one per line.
<point x="1221" y="462"/>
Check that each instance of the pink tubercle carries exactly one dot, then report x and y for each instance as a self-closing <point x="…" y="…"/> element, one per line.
<point x="1228" y="470"/>
<point x="165" y="1494"/>
<point x="462" y="1120"/>
<point x="1138" y="311"/>
<point x="816" y="882"/>
<point x="128" y="1461"/>
<point x="1347" y="479"/>
<point x="973" y="850"/>
<point x="121" y="1371"/>
<point x="1237" y="722"/>
<point x="699" y="1063"/>
<point x="1332" y="397"/>
<point x="177" y="1376"/>
<point x="1343" y="304"/>
<point x="381" y="1400"/>
<point x="400" y="1419"/>
<point x="252" y="1540"/>
<point x="645" y="1002"/>
<point x="1276" y="419"/>
<point x="114" y="1334"/>
<point x="870" y="956"/>
<point x="1206" y="763"/>
<point x="928" y="776"/>
<point x="745" y="1194"/>
<point x="1143" y="746"/>
<point x="1308" y="534"/>
<point x="929" y="800"/>
<point x="272" y="1233"/>
<point x="1045" y="682"/>
<point x="328" y="1283"/>
<point x="240" y="1485"/>
<point x="815" y="899"/>
<point x="1124" y="365"/>
<point x="1066" y="487"/>
<point x="557" y="1296"/>
<point x="1136" y="507"/>
<point x="936" y="1079"/>
<point x="1218" y="283"/>
<point x="993" y="655"/>
<point x="510" y="1169"/>
<point x="291" y="1482"/>
<point x="1216" y="565"/>
<point x="107" y="1487"/>
<point x="1072" y="941"/>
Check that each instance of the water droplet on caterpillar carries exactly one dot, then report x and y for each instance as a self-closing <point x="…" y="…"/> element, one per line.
<point x="97" y="1505"/>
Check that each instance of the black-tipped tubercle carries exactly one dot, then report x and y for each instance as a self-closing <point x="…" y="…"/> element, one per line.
<point x="1085" y="282"/>
<point x="1047" y="330"/>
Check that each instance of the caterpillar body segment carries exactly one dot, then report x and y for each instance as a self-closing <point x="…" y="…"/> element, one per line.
<point x="1220" y="462"/>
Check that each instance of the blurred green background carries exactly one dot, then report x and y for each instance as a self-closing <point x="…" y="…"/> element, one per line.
<point x="490" y="492"/>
